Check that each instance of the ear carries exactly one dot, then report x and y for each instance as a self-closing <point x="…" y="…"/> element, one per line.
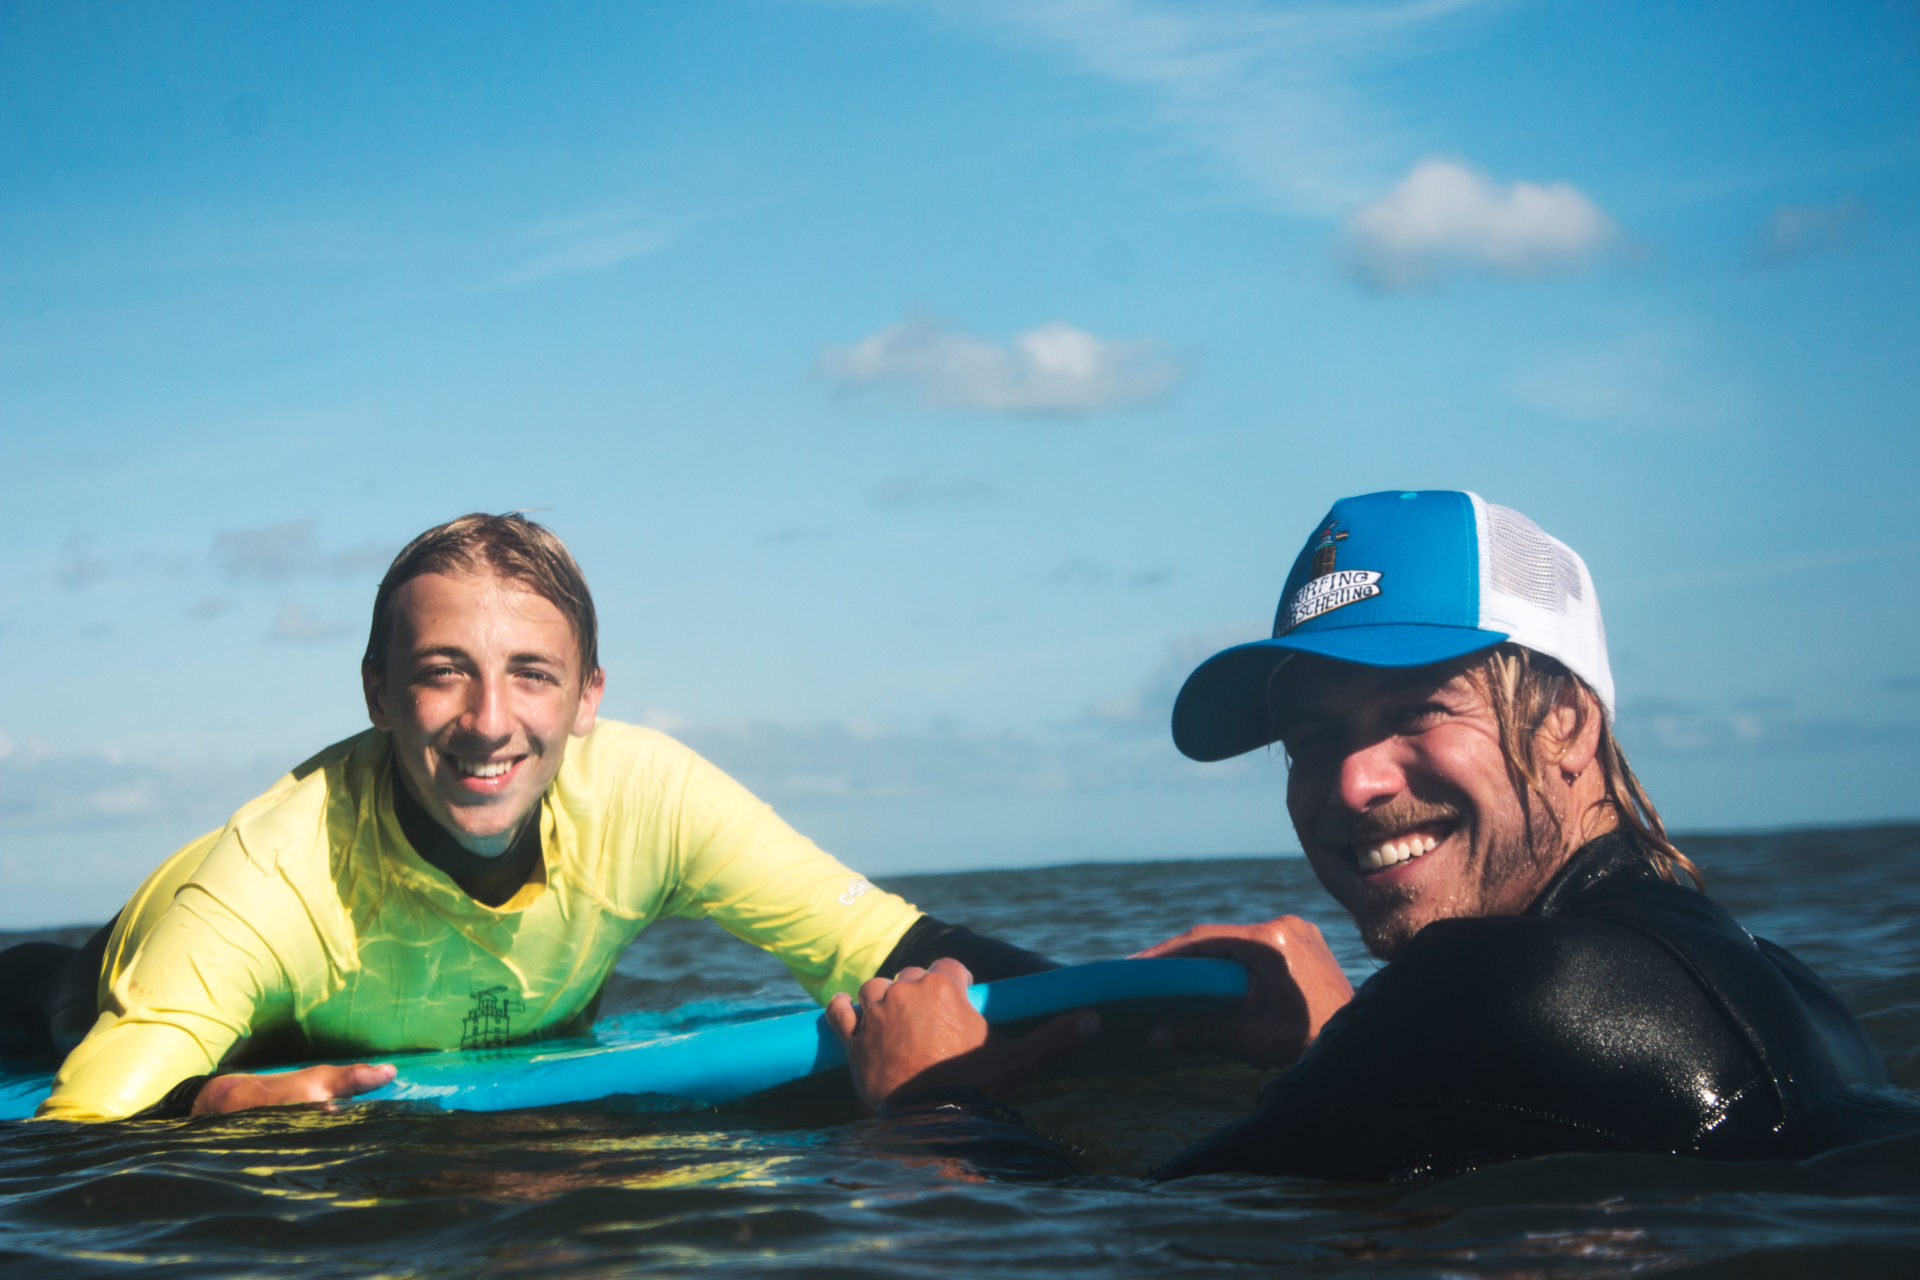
<point x="1571" y="734"/>
<point x="375" y="689"/>
<point x="589" y="709"/>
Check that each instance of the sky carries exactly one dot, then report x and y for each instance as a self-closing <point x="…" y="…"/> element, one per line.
<point x="926" y="387"/>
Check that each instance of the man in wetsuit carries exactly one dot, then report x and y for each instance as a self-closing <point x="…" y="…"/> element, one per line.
<point x="464" y="874"/>
<point x="1556" y="980"/>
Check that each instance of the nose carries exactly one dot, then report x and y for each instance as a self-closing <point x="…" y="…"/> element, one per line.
<point x="487" y="715"/>
<point x="1370" y="775"/>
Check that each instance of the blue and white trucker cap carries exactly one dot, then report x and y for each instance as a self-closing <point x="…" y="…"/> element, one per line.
<point x="1401" y="579"/>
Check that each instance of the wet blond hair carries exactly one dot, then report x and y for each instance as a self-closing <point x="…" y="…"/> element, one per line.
<point x="511" y="546"/>
<point x="1524" y="688"/>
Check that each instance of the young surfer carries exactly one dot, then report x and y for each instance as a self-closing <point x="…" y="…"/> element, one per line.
<point x="463" y="874"/>
<point x="1556" y="980"/>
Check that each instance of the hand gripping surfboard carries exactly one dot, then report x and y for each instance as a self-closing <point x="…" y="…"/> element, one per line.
<point x="721" y="1063"/>
<point x="727" y="1060"/>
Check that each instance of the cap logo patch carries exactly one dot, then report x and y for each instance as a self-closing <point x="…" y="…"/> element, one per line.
<point x="1329" y="588"/>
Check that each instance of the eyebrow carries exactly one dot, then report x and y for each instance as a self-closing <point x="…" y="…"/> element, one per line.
<point x="1393" y="680"/>
<point x="438" y="651"/>
<point x="522" y="658"/>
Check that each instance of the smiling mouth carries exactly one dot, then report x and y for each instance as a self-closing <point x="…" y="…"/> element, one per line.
<point x="1395" y="851"/>
<point x="482" y="769"/>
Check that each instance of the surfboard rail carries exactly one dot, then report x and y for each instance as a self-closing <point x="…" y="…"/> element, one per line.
<point x="730" y="1060"/>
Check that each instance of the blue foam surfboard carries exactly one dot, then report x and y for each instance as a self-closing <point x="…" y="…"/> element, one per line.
<point x="729" y="1060"/>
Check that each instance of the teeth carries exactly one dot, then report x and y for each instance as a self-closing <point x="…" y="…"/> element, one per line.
<point x="1393" y="852"/>
<point x="482" y="768"/>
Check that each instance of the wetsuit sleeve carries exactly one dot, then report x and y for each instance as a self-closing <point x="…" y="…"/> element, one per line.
<point x="767" y="884"/>
<point x="203" y="979"/>
<point x="987" y="959"/>
<point x="1498" y="1039"/>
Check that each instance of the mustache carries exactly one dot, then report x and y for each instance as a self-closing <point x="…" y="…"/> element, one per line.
<point x="1375" y="825"/>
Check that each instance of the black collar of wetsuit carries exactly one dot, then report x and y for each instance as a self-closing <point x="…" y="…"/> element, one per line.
<point x="1604" y="856"/>
<point x="474" y="874"/>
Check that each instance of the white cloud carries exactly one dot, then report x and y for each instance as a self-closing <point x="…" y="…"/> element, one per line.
<point x="1793" y="232"/>
<point x="1273" y="94"/>
<point x="1445" y="217"/>
<point x="1054" y="369"/>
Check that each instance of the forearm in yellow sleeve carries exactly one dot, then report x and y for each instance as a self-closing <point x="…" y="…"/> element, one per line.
<point x="202" y="981"/>
<point x="767" y="884"/>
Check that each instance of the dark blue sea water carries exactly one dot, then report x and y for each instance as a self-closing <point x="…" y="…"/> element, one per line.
<point x="800" y="1185"/>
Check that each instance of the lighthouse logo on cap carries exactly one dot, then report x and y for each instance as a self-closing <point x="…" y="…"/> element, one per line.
<point x="1328" y="588"/>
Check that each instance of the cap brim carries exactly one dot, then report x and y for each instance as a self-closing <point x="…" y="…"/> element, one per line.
<point x="1222" y="709"/>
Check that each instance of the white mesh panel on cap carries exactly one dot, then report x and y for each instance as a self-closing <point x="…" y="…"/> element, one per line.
<point x="1527" y="563"/>
<point x="1537" y="590"/>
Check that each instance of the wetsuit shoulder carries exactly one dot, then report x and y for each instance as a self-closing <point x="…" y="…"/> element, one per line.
<point x="1497" y="1038"/>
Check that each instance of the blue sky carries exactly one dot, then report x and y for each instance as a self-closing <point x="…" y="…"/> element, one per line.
<point x="926" y="387"/>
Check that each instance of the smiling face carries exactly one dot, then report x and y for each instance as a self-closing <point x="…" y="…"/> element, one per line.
<point x="481" y="689"/>
<point x="1401" y="797"/>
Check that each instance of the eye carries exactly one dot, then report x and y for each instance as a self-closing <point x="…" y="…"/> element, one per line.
<point x="534" y="675"/>
<point x="1311" y="745"/>
<point x="1416" y="716"/>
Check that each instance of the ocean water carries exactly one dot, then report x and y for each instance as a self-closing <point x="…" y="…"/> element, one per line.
<point x="798" y="1184"/>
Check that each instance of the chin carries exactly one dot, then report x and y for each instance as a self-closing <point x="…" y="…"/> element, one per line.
<point x="1387" y="934"/>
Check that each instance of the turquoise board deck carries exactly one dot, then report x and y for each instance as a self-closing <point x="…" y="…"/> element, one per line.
<point x="728" y="1060"/>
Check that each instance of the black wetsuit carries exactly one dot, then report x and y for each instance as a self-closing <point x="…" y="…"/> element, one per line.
<point x="1621" y="1012"/>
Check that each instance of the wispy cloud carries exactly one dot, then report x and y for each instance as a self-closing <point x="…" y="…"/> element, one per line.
<point x="1793" y="232"/>
<point x="592" y="242"/>
<point x="41" y="788"/>
<point x="796" y="533"/>
<point x="923" y="488"/>
<point x="1054" y="369"/>
<point x="276" y="553"/>
<point x="1444" y="218"/>
<point x="1639" y="380"/>
<point x="1274" y="95"/>
<point x="1082" y="571"/>
<point x="1079" y="572"/>
<point x="1145" y="712"/>
<point x="297" y="624"/>
<point x="1684" y="728"/>
<point x="80" y="565"/>
<point x="1822" y="561"/>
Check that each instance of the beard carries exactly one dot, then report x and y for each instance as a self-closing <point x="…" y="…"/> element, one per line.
<point x="1388" y="916"/>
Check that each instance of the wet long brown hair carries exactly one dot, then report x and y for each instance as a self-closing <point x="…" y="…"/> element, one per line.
<point x="1525" y="688"/>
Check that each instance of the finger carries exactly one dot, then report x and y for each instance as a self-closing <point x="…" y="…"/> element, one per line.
<point x="1197" y="944"/>
<point x="842" y="1017"/>
<point x="912" y="973"/>
<point x="323" y="1083"/>
<point x="364" y="1077"/>
<point x="1222" y="1036"/>
<point x="873" y="988"/>
<point x="955" y="970"/>
<point x="1044" y="1043"/>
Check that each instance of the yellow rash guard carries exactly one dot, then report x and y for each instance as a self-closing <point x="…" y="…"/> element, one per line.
<point x="310" y="925"/>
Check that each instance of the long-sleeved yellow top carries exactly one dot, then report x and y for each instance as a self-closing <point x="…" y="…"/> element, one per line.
<point x="309" y="924"/>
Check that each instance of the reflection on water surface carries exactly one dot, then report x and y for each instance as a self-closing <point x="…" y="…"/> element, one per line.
<point x="796" y="1183"/>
